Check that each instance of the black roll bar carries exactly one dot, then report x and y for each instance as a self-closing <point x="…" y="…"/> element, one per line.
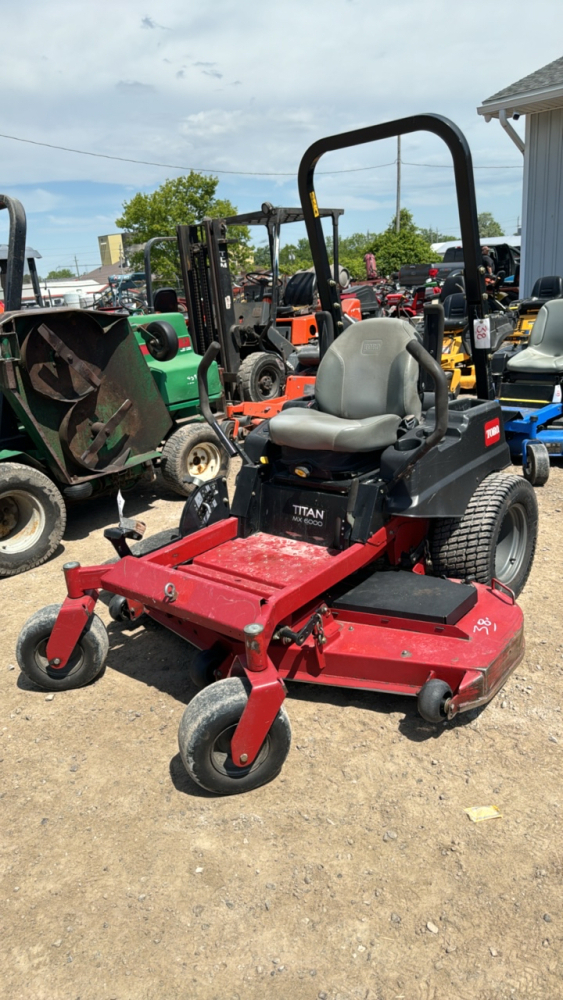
<point x="456" y="142"/>
<point x="16" y="253"/>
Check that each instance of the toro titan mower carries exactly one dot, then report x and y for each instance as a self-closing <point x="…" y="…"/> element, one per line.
<point x="373" y="541"/>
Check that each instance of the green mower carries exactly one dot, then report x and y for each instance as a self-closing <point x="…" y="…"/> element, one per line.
<point x="82" y="412"/>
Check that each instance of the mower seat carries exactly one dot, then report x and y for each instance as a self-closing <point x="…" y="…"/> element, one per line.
<point x="366" y="384"/>
<point x="453" y="284"/>
<point x="455" y="311"/>
<point x="545" y="289"/>
<point x="165" y="300"/>
<point x="544" y="352"/>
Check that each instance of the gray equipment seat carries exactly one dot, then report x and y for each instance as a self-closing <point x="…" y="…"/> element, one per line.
<point x="366" y="384"/>
<point x="544" y="352"/>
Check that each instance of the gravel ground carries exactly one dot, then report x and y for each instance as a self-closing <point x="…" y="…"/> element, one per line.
<point x="355" y="875"/>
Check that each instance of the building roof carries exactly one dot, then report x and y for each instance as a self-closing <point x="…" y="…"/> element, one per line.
<point x="539" y="91"/>
<point x="101" y="274"/>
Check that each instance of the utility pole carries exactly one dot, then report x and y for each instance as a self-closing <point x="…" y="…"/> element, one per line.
<point x="76" y="264"/>
<point x="398" y="212"/>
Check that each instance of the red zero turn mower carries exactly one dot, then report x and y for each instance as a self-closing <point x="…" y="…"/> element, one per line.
<point x="373" y="541"/>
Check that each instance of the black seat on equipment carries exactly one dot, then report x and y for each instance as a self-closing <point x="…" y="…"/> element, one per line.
<point x="545" y="289"/>
<point x="550" y="287"/>
<point x="166" y="300"/>
<point x="455" y="311"/>
<point x="453" y="284"/>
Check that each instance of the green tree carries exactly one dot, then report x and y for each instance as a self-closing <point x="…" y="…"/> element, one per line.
<point x="351" y="252"/>
<point x="488" y="226"/>
<point x="408" y="246"/>
<point x="61" y="272"/>
<point x="435" y="236"/>
<point x="183" y="200"/>
<point x="296" y="256"/>
<point x="261" y="258"/>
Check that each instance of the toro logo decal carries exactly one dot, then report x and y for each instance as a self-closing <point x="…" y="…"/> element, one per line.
<point x="492" y="432"/>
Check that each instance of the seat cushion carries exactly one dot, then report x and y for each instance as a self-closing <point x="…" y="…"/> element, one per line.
<point x="310" y="429"/>
<point x="545" y="348"/>
<point x="533" y="360"/>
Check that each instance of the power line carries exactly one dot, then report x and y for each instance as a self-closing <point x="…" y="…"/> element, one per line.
<point x="242" y="173"/>
<point x="450" y="166"/>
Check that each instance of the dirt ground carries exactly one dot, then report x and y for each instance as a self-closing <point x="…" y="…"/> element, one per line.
<point x="355" y="875"/>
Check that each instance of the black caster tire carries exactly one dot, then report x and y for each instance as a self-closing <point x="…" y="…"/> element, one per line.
<point x="32" y="518"/>
<point x="86" y="663"/>
<point x="432" y="701"/>
<point x="119" y="609"/>
<point x="205" y="733"/>
<point x="261" y="376"/>
<point x="496" y="537"/>
<point x="204" y="664"/>
<point x="193" y="450"/>
<point x="162" y="340"/>
<point x="535" y="466"/>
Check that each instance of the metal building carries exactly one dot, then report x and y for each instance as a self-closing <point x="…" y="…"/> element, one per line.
<point x="539" y="97"/>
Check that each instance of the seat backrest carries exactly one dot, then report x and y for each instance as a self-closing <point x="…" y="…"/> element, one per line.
<point x="454" y="283"/>
<point x="547" y="332"/>
<point x="455" y="307"/>
<point x="166" y="300"/>
<point x="548" y="287"/>
<point x="368" y="372"/>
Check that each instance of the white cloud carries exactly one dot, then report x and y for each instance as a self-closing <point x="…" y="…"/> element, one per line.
<point x="147" y="89"/>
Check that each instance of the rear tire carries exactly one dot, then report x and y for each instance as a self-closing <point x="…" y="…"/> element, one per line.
<point x="193" y="450"/>
<point x="496" y="537"/>
<point x="32" y="518"/>
<point x="535" y="466"/>
<point x="205" y="734"/>
<point x="86" y="662"/>
<point x="261" y="376"/>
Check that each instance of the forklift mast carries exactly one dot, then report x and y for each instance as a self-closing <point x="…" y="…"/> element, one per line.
<point x="204" y="258"/>
<point x="208" y="286"/>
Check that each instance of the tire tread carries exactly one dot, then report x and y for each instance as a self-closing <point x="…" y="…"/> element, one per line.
<point x="459" y="545"/>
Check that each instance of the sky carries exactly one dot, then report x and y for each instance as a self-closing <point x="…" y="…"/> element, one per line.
<point x="241" y="88"/>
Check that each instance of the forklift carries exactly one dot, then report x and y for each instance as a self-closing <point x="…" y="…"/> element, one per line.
<point x="263" y="336"/>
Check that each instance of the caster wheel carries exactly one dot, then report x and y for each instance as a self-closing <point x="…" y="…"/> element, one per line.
<point x="119" y="609"/>
<point x="536" y="464"/>
<point x="205" y="735"/>
<point x="204" y="664"/>
<point x="87" y="660"/>
<point x="433" y="700"/>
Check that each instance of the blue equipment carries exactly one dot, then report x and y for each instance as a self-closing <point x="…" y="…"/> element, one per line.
<point x="531" y="396"/>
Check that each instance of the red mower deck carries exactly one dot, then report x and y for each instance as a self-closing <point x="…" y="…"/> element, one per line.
<point x="216" y="588"/>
